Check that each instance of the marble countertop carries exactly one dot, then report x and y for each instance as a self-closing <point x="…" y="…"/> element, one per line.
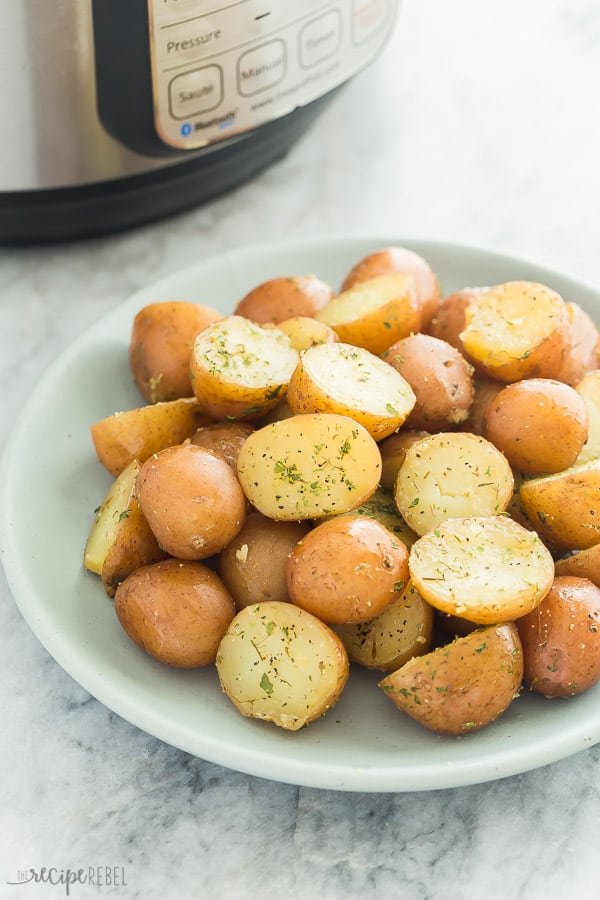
<point x="478" y="124"/>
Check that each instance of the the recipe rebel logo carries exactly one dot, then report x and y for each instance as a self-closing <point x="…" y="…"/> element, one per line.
<point x="96" y="876"/>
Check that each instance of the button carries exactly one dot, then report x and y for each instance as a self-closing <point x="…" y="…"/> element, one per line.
<point x="195" y="92"/>
<point x="367" y="18"/>
<point x="261" y="68"/>
<point x="320" y="38"/>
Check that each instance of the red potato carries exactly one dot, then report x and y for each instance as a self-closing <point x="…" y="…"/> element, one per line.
<point x="449" y="318"/>
<point x="283" y="298"/>
<point x="225" y="439"/>
<point x="583" y="352"/>
<point x="561" y="639"/>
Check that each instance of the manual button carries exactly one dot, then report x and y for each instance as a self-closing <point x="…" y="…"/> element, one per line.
<point x="195" y="92"/>
<point x="320" y="38"/>
<point x="261" y="68"/>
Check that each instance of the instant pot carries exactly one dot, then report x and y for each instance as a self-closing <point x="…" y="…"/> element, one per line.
<point x="115" y="112"/>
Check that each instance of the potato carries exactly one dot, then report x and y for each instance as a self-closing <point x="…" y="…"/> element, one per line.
<point x="279" y="663"/>
<point x="382" y="507"/>
<point x="139" y="433"/>
<point x="582" y="354"/>
<point x="402" y="630"/>
<point x="347" y="569"/>
<point x="565" y="507"/>
<point x="484" y="391"/>
<point x="399" y="259"/>
<point x="462" y="686"/>
<point x="277" y="414"/>
<point x="540" y="425"/>
<point x="440" y="378"/>
<point x="310" y="466"/>
<point x="225" y="439"/>
<point x="485" y="569"/>
<point x="449" y="319"/>
<point x="254" y="565"/>
<point x="176" y="611"/>
<point x="583" y="564"/>
<point x="517" y="330"/>
<point x="282" y="298"/>
<point x="120" y="540"/>
<point x="304" y="332"/>
<point x="393" y="453"/>
<point x="240" y="370"/>
<point x="561" y="639"/>
<point x="160" y="346"/>
<point x="375" y="313"/>
<point x="350" y="381"/>
<point x="451" y="475"/>
<point x="192" y="500"/>
<point x="589" y="391"/>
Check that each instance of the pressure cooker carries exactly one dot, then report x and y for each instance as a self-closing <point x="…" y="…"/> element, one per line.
<point x="116" y="112"/>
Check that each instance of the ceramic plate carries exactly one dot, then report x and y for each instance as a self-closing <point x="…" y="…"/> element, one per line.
<point x="51" y="483"/>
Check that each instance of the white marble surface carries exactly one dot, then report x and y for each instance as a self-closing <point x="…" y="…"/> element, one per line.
<point x="479" y="124"/>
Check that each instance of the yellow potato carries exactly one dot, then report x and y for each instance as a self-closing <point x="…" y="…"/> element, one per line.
<point x="517" y="330"/>
<point x="340" y="378"/>
<point x="482" y="568"/>
<point x="450" y="475"/>
<point x="192" y="501"/>
<point x="565" y="507"/>
<point x="239" y="369"/>
<point x="307" y="467"/>
<point x="120" y="540"/>
<point x="582" y="354"/>
<point x="279" y="663"/>
<point x="402" y="630"/>
<point x="589" y="391"/>
<point x="584" y="564"/>
<point x="375" y="313"/>
<point x="283" y="298"/>
<point x="304" y="332"/>
<point x="139" y="433"/>
<point x="462" y="686"/>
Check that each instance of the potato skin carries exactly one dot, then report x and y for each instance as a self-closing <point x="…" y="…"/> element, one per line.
<point x="449" y="318"/>
<point x="284" y="298"/>
<point x="347" y="570"/>
<point x="176" y="611"/>
<point x="254" y="565"/>
<point x="224" y="439"/>
<point x="462" y="686"/>
<point x="561" y="639"/>
<point x="440" y="378"/>
<point x="564" y="507"/>
<point x="160" y="345"/>
<point x="192" y="501"/>
<point x="582" y="354"/>
<point x="584" y="564"/>
<point x="540" y="425"/>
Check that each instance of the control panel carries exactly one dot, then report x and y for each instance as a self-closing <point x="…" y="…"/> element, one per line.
<point x="222" y="68"/>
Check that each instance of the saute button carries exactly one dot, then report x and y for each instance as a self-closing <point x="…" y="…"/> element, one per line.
<point x="320" y="38"/>
<point x="261" y="68"/>
<point x="197" y="91"/>
<point x="367" y="17"/>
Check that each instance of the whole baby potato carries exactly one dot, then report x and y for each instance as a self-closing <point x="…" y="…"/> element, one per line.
<point x="192" y="501"/>
<point x="561" y="639"/>
<point x="225" y="439"/>
<point x="160" y="346"/>
<point x="347" y="569"/>
<point x="177" y="611"/>
<point x="254" y="564"/>
<point x="439" y="376"/>
<point x="539" y="424"/>
<point x="283" y="298"/>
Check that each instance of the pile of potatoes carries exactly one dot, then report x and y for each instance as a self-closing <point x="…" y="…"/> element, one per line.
<point x="381" y="476"/>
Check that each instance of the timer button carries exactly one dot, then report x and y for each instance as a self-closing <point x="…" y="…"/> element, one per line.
<point x="194" y="92"/>
<point x="320" y="38"/>
<point x="261" y="68"/>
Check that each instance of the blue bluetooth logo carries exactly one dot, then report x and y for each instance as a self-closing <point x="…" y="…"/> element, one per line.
<point x="186" y="129"/>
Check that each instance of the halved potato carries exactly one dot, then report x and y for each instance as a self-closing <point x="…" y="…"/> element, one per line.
<point x="241" y="370"/>
<point x="279" y="663"/>
<point x="517" y="330"/>
<point x="142" y="432"/>
<point x="565" y="508"/>
<point x="120" y="540"/>
<point x="462" y="686"/>
<point x="375" y="313"/>
<point x="305" y="332"/>
<point x="308" y="467"/>
<point x="402" y="630"/>
<point x="482" y="568"/>
<point x="340" y="378"/>
<point x="450" y="475"/>
<point x="589" y="390"/>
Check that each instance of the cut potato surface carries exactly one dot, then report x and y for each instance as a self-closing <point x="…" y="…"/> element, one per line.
<point x="517" y="330"/>
<point x="462" y="686"/>
<point x="280" y="663"/>
<point x="485" y="569"/>
<point x="565" y="508"/>
<point x="375" y="313"/>
<point x="340" y="378"/>
<point x="309" y="466"/>
<point x="451" y="475"/>
<point x="305" y="332"/>
<point x="240" y="369"/>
